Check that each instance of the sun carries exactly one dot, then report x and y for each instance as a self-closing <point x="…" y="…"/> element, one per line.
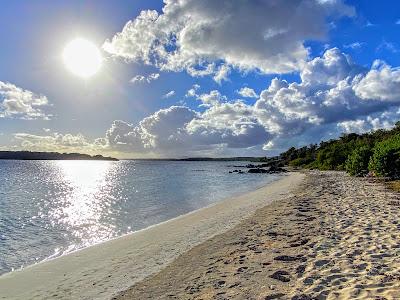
<point x="82" y="57"/>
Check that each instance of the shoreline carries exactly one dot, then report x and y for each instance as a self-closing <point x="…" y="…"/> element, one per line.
<point x="336" y="238"/>
<point x="103" y="270"/>
<point x="52" y="257"/>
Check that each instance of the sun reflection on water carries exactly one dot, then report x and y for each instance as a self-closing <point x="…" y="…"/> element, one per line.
<point x="49" y="208"/>
<point x="85" y="197"/>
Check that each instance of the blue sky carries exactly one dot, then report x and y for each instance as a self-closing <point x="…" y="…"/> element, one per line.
<point x="253" y="42"/>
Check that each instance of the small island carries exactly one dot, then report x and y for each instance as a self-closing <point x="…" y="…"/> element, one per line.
<point x="28" y="155"/>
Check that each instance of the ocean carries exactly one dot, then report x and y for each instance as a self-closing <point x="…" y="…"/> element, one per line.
<point x="51" y="208"/>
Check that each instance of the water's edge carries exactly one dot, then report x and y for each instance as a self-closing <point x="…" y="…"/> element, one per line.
<point x="271" y="179"/>
<point x="102" y="271"/>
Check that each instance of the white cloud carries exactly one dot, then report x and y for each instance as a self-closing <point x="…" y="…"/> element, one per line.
<point x="178" y="131"/>
<point x="169" y="94"/>
<point x="333" y="95"/>
<point x="161" y="131"/>
<point x="141" y="78"/>
<point x="207" y="37"/>
<point x="325" y="95"/>
<point x="388" y="46"/>
<point x="329" y="69"/>
<point x="153" y="76"/>
<point x="193" y="91"/>
<point x="375" y="121"/>
<point x="229" y="125"/>
<point x="138" y="78"/>
<point x="357" y="126"/>
<point x="247" y="92"/>
<point x="381" y="83"/>
<point x="328" y="100"/>
<point x="212" y="98"/>
<point x="354" y="46"/>
<point x="222" y="73"/>
<point x="370" y="24"/>
<point x="16" y="102"/>
<point x="59" y="142"/>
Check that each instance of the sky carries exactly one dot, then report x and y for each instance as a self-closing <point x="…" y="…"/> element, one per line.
<point x="180" y="78"/>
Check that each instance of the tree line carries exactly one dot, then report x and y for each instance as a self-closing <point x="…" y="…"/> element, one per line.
<point x="375" y="153"/>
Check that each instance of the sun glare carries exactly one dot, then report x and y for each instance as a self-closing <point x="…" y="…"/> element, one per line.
<point x="82" y="58"/>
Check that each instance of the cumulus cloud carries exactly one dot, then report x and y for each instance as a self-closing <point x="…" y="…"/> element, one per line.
<point x="247" y="92"/>
<point x="357" y="126"/>
<point x="59" y="142"/>
<point x="329" y="93"/>
<point x="169" y="94"/>
<point x="383" y="120"/>
<point x="212" y="98"/>
<point x="165" y="130"/>
<point x="207" y="37"/>
<point x="231" y="125"/>
<point x="149" y="78"/>
<point x="380" y="83"/>
<point x="16" y="102"/>
<point x="333" y="96"/>
<point x="178" y="131"/>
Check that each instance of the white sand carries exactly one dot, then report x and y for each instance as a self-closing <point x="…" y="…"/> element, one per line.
<point x="336" y="238"/>
<point x="101" y="271"/>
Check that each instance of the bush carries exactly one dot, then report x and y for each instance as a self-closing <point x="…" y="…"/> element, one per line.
<point x="332" y="157"/>
<point x="340" y="154"/>
<point x="385" y="160"/>
<point x="301" y="161"/>
<point x="357" y="161"/>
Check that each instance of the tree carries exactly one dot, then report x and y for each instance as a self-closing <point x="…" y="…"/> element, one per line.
<point x="357" y="161"/>
<point x="385" y="160"/>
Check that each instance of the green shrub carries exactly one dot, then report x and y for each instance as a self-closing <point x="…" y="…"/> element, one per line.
<point x="357" y="161"/>
<point x="332" y="157"/>
<point x="385" y="160"/>
<point x="312" y="165"/>
<point x="340" y="154"/>
<point x="300" y="162"/>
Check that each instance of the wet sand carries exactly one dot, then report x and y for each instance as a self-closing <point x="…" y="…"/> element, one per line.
<point x="104" y="270"/>
<point x="336" y="237"/>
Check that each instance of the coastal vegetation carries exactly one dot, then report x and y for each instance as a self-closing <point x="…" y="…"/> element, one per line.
<point x="29" y="155"/>
<point x="375" y="153"/>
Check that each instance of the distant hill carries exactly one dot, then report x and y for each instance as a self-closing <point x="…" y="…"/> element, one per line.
<point x="253" y="159"/>
<point x="28" y="155"/>
<point x="239" y="158"/>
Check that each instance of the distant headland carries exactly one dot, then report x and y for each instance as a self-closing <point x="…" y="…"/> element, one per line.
<point x="28" y="155"/>
<point x="237" y="158"/>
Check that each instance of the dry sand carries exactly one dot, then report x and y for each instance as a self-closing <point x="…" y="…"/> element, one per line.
<point x="336" y="238"/>
<point x="101" y="271"/>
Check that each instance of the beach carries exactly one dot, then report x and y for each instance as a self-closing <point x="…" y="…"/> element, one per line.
<point x="337" y="237"/>
<point x="200" y="150"/>
<point x="309" y="235"/>
<point x="104" y="270"/>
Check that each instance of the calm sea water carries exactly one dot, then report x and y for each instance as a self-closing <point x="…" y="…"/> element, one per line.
<point x="49" y="208"/>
